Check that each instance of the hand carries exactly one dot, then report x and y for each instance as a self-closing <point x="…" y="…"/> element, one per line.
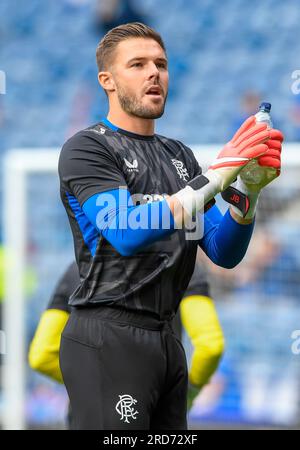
<point x="248" y="143"/>
<point x="256" y="175"/>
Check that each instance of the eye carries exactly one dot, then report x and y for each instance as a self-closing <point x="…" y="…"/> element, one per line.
<point x="137" y="64"/>
<point x="162" y="65"/>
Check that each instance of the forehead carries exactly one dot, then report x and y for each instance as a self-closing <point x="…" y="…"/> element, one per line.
<point x="138" y="48"/>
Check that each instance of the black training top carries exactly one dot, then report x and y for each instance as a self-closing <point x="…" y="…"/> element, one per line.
<point x="64" y="288"/>
<point x="100" y="159"/>
<point x="70" y="280"/>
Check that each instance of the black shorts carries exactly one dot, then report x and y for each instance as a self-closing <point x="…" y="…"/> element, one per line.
<point x="123" y="371"/>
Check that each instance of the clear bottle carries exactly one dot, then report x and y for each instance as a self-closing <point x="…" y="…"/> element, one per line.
<point x="253" y="173"/>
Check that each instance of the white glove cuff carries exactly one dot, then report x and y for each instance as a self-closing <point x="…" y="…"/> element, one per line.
<point x="194" y="200"/>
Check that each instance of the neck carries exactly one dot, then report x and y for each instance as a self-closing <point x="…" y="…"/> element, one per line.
<point x="133" y="124"/>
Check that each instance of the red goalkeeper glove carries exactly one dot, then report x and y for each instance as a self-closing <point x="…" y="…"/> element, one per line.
<point x="247" y="144"/>
<point x="255" y="176"/>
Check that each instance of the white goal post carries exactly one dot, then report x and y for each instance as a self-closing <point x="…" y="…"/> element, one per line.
<point x="19" y="164"/>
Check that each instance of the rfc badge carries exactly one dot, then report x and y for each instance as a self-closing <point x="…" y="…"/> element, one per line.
<point x="125" y="409"/>
<point x="181" y="170"/>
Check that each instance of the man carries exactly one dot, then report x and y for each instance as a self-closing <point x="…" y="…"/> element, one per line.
<point x="197" y="314"/>
<point x="43" y="355"/>
<point x="199" y="319"/>
<point x="133" y="198"/>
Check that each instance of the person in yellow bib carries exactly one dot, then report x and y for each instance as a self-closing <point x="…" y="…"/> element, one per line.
<point x="198" y="317"/>
<point x="196" y="314"/>
<point x="43" y="353"/>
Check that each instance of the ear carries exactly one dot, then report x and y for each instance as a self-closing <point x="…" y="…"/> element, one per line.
<point x="106" y="81"/>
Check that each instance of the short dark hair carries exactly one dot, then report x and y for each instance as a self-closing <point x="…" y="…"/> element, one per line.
<point x="109" y="42"/>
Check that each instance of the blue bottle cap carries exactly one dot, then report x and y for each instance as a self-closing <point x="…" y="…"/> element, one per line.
<point x="265" y="107"/>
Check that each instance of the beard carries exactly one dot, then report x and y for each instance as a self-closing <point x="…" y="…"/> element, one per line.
<point x="134" y="107"/>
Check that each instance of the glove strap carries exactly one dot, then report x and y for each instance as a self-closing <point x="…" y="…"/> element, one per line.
<point x="197" y="183"/>
<point x="244" y="202"/>
<point x="237" y="199"/>
<point x="198" y="195"/>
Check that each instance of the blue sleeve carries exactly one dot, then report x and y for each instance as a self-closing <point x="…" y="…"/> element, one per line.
<point x="225" y="241"/>
<point x="126" y="227"/>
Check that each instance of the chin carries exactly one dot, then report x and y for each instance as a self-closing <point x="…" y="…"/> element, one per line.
<point x="152" y="113"/>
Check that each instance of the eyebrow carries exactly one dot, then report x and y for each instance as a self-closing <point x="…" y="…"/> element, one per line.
<point x="140" y="58"/>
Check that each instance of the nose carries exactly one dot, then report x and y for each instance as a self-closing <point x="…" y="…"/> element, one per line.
<point x="153" y="70"/>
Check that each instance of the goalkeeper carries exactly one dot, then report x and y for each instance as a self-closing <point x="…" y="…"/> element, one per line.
<point x="130" y="194"/>
<point x="197" y="315"/>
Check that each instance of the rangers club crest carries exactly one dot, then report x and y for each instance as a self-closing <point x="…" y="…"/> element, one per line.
<point x="124" y="407"/>
<point x="181" y="170"/>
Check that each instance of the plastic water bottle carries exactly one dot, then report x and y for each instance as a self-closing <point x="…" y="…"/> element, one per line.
<point x="253" y="172"/>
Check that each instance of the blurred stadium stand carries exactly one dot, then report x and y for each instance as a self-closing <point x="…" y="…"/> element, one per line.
<point x="218" y="51"/>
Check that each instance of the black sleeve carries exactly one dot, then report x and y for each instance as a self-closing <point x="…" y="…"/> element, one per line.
<point x="64" y="288"/>
<point x="198" y="284"/>
<point x="88" y="167"/>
